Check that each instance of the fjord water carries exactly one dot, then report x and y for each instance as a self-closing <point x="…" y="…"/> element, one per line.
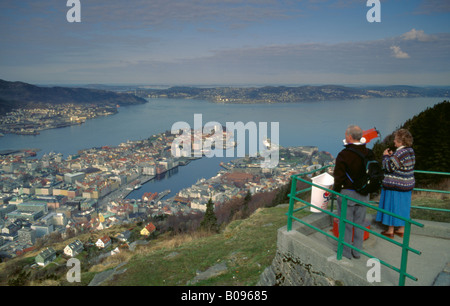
<point x="320" y="124"/>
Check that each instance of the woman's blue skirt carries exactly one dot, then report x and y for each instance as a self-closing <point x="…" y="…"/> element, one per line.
<point x="397" y="202"/>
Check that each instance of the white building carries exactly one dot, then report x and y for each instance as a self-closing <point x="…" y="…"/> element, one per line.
<point x="74" y="248"/>
<point x="103" y="242"/>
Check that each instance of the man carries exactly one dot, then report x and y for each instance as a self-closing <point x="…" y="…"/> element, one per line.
<point x="349" y="166"/>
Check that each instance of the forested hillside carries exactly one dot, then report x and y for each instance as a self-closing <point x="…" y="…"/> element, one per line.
<point x="431" y="132"/>
<point x="18" y="95"/>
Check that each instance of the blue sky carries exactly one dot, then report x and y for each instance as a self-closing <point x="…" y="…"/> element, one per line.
<point x="230" y="42"/>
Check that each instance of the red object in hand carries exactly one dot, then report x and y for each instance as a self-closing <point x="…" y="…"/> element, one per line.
<point x="370" y="134"/>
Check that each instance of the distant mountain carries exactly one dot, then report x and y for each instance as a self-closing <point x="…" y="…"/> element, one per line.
<point x="283" y="94"/>
<point x="19" y="94"/>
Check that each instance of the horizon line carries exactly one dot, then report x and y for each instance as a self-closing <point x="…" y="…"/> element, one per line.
<point x="215" y="85"/>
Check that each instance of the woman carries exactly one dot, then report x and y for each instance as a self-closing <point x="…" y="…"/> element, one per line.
<point x="398" y="183"/>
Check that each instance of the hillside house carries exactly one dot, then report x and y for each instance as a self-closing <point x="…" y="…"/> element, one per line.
<point x="103" y="242"/>
<point x="147" y="230"/>
<point x="124" y="236"/>
<point x="45" y="257"/>
<point x="74" y="248"/>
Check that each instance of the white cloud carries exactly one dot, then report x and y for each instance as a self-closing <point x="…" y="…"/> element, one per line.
<point x="398" y="53"/>
<point x="418" y="35"/>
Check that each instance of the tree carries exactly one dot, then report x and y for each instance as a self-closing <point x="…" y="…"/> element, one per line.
<point x="281" y="196"/>
<point x="430" y="130"/>
<point x="209" y="221"/>
<point x="247" y="199"/>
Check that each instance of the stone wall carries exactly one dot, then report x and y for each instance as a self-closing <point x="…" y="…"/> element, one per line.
<point x="308" y="258"/>
<point x="288" y="270"/>
<point x="303" y="259"/>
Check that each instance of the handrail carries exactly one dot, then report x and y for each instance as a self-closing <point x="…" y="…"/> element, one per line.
<point x="431" y="190"/>
<point x="431" y="172"/>
<point x="341" y="243"/>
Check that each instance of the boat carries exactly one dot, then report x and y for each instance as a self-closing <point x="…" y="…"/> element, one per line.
<point x="137" y="186"/>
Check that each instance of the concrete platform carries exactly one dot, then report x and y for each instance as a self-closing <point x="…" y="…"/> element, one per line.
<point x="318" y="252"/>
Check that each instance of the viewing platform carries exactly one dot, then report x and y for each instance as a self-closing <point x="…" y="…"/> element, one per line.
<point x="310" y="246"/>
<point x="307" y="257"/>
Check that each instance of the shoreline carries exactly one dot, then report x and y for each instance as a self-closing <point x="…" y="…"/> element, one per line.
<point x="121" y="193"/>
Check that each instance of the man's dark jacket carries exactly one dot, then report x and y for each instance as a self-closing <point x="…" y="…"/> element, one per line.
<point x="351" y="163"/>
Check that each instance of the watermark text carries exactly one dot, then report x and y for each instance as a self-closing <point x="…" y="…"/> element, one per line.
<point x="211" y="139"/>
<point x="74" y="13"/>
<point x="374" y="14"/>
<point x="74" y="273"/>
<point x="374" y="273"/>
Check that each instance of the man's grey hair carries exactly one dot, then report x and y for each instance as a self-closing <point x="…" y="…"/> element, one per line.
<point x="355" y="131"/>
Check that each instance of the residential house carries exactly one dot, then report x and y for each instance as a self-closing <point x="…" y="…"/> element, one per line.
<point x="147" y="230"/>
<point x="124" y="236"/>
<point x="74" y="248"/>
<point x="45" y="257"/>
<point x="103" y="242"/>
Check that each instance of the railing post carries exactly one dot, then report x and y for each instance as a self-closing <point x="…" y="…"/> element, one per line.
<point x="333" y="197"/>
<point x="404" y="261"/>
<point x="342" y="223"/>
<point x="291" y="202"/>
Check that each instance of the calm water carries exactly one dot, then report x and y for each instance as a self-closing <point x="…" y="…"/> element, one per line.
<point x="319" y="124"/>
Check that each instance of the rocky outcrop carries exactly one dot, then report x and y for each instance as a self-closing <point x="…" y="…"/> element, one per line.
<point x="288" y="270"/>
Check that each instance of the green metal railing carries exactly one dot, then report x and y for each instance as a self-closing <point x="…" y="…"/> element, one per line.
<point x="432" y="190"/>
<point x="343" y="220"/>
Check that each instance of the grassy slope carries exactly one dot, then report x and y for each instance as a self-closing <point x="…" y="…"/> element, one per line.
<point x="246" y="246"/>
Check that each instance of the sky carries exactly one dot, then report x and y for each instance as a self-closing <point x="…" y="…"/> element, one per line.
<point x="229" y="42"/>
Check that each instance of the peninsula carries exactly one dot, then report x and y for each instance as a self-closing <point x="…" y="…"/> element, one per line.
<point x="27" y="109"/>
<point x="283" y="94"/>
<point x="14" y="95"/>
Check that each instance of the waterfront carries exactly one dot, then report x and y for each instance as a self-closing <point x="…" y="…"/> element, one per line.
<point x="181" y="177"/>
<point x="320" y="124"/>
